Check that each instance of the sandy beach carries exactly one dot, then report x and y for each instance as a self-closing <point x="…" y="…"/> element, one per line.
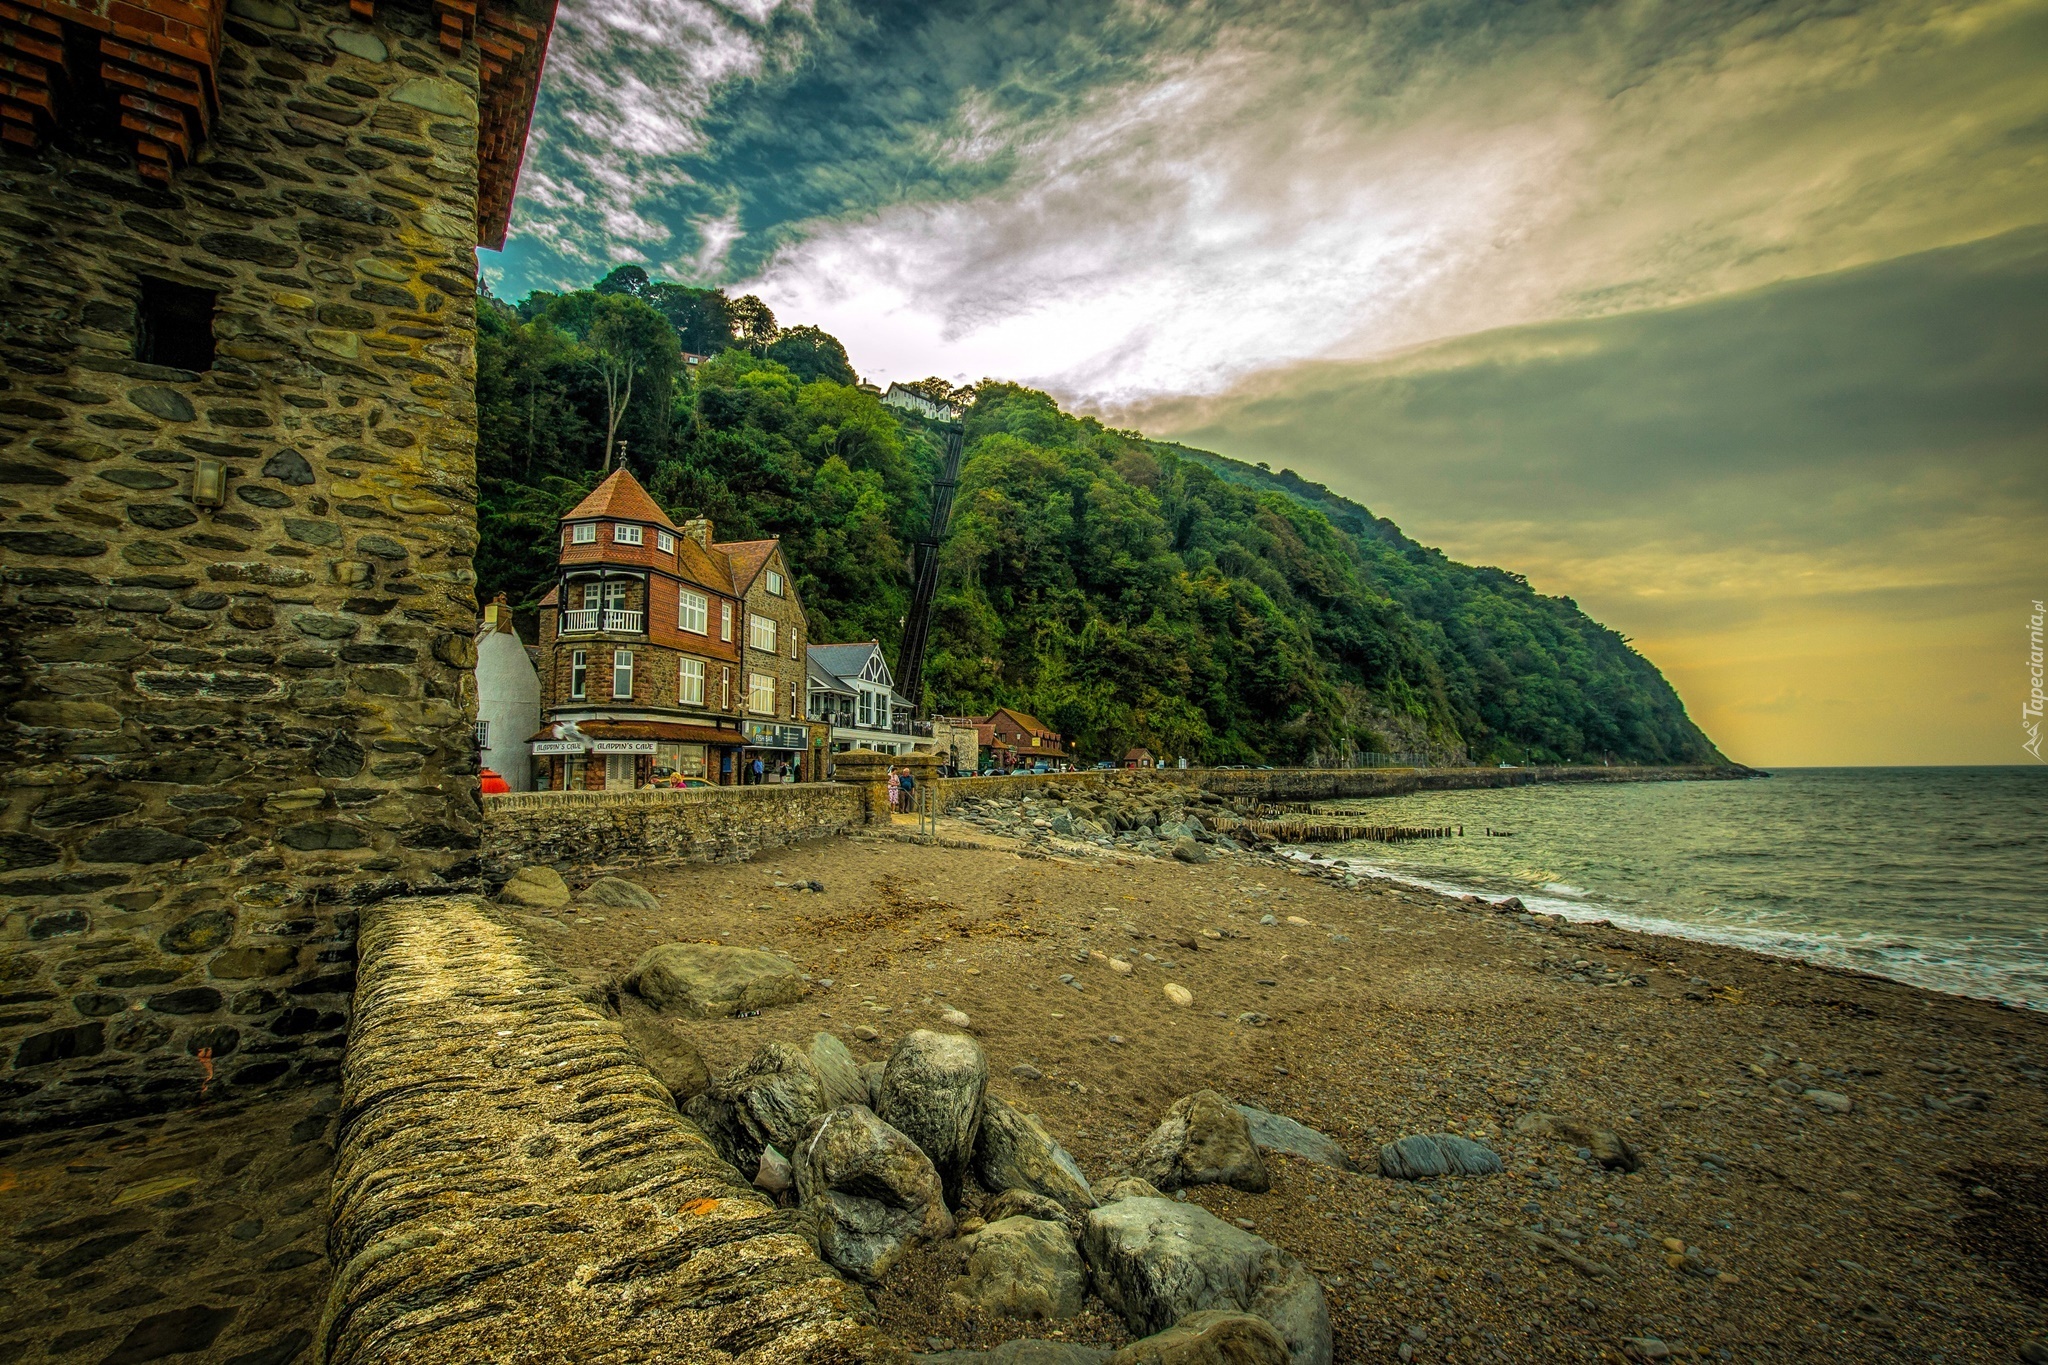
<point x="1761" y="1225"/>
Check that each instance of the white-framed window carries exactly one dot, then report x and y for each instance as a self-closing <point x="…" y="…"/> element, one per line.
<point x="795" y="704"/>
<point x="583" y="533"/>
<point x="622" y="673"/>
<point x="867" y="707"/>
<point x="664" y="542"/>
<point x="761" y="632"/>
<point x="579" y="672"/>
<point x="725" y="689"/>
<point x="693" y="611"/>
<point x="725" y="620"/>
<point x="774" y="583"/>
<point x="627" y="535"/>
<point x="761" y="693"/>
<point x="690" y="683"/>
<point x="483" y="734"/>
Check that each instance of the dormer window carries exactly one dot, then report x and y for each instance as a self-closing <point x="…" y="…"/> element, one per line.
<point x="626" y="535"/>
<point x="583" y="533"/>
<point x="664" y="542"/>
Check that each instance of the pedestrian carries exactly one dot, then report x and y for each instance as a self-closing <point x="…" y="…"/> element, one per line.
<point x="758" y="769"/>
<point x="909" y="785"/>
<point x="895" y="790"/>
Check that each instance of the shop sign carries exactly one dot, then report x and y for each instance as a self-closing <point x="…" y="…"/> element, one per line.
<point x="558" y="746"/>
<point x="622" y="746"/>
<point x="764" y="736"/>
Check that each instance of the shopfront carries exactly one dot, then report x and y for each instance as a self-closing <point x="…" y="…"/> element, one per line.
<point x="629" y="755"/>
<point x="777" y="746"/>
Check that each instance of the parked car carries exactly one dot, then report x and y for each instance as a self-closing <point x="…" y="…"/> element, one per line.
<point x="493" y="781"/>
<point x="1105" y="766"/>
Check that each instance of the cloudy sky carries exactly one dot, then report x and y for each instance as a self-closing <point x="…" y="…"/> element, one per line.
<point x="1727" y="318"/>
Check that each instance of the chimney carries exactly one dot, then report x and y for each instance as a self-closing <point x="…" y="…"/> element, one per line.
<point x="699" y="530"/>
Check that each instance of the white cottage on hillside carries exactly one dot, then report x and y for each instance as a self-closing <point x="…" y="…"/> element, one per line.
<point x="507" y="698"/>
<point x="851" y="690"/>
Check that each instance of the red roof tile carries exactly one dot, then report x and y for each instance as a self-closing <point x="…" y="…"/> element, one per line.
<point x="621" y="498"/>
<point x="747" y="557"/>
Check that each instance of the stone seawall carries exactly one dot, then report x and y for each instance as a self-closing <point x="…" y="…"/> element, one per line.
<point x="1316" y="784"/>
<point x="717" y="824"/>
<point x="511" y="1183"/>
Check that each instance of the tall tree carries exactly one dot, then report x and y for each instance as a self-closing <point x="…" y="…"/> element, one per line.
<point x="753" y="324"/>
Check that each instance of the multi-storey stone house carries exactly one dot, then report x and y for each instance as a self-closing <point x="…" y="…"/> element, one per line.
<point x="237" y="438"/>
<point x="778" y="731"/>
<point x="641" y="643"/>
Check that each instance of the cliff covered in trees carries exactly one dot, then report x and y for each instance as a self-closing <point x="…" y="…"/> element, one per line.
<point x="1127" y="591"/>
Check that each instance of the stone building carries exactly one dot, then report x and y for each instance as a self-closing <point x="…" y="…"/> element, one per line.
<point x="777" y="636"/>
<point x="237" y="431"/>
<point x="640" y="649"/>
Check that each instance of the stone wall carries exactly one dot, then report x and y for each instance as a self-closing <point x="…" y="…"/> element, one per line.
<point x="229" y="728"/>
<point x="511" y="1183"/>
<point x="717" y="824"/>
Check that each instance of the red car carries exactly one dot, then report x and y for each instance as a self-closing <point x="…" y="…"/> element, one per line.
<point x="493" y="782"/>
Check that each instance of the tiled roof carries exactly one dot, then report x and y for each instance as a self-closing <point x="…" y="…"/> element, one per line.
<point x="622" y="498"/>
<point x="700" y="566"/>
<point x="747" y="557"/>
<point x="1025" y="722"/>
<point x="844" y="661"/>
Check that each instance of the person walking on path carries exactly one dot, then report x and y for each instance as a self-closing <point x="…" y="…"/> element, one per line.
<point x="757" y="770"/>
<point x="895" y="790"/>
<point x="909" y="785"/>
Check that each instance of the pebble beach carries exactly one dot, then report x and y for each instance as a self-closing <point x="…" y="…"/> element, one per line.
<point x="1826" y="1166"/>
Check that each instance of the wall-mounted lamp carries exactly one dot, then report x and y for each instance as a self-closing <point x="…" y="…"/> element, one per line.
<point x="209" y="483"/>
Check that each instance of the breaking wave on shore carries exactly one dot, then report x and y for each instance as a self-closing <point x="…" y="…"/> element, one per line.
<point x="1931" y="876"/>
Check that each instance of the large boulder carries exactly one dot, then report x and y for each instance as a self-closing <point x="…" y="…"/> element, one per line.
<point x="1278" y="1133"/>
<point x="774" y="1094"/>
<point x="869" y="1190"/>
<point x="838" y="1070"/>
<point x="1215" y="1337"/>
<point x="931" y="1092"/>
<point x="1025" y="1204"/>
<point x="1608" y="1147"/>
<point x="1023" y="1268"/>
<point x="1424" y="1155"/>
<point x="1203" y="1140"/>
<point x="1014" y="1152"/>
<point x="1157" y="1260"/>
<point x="667" y="1051"/>
<point x="711" y="981"/>
<point x="1112" y="1188"/>
<point x="617" y="893"/>
<point x="535" y="888"/>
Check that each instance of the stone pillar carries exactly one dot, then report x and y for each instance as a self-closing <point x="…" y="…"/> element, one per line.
<point x="229" y="726"/>
<point x="868" y="770"/>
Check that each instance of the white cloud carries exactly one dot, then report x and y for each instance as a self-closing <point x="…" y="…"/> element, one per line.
<point x="1314" y="189"/>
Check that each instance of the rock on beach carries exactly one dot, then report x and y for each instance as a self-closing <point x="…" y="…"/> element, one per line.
<point x="711" y="981"/>
<point x="931" y="1091"/>
<point x="1203" y="1140"/>
<point x="870" y="1191"/>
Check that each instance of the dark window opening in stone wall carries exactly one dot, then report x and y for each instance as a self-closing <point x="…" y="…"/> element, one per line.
<point x="88" y="112"/>
<point x="175" y="325"/>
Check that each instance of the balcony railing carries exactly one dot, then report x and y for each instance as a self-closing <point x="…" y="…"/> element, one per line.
<point x="587" y="621"/>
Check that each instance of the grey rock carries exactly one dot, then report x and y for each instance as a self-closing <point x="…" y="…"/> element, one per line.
<point x="1014" y="1152"/>
<point x="775" y="1174"/>
<point x="871" y="1077"/>
<point x="1424" y="1155"/>
<point x="1607" y="1147"/>
<point x="620" y="894"/>
<point x="931" y="1091"/>
<point x="1109" y="1190"/>
<point x="1024" y="1071"/>
<point x="1278" y="1133"/>
<point x="710" y="981"/>
<point x="774" y="1094"/>
<point x="869" y="1190"/>
<point x="1188" y="851"/>
<point x="1833" y="1101"/>
<point x="1155" y="1261"/>
<point x="839" y="1072"/>
<point x="536" y="888"/>
<point x="1023" y="1268"/>
<point x="1212" y="1337"/>
<point x="1025" y="1204"/>
<point x="1203" y="1140"/>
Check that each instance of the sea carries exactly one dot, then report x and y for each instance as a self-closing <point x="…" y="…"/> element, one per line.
<point x="1933" y="876"/>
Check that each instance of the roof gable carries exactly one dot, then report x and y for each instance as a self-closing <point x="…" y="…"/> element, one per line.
<point x="748" y="558"/>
